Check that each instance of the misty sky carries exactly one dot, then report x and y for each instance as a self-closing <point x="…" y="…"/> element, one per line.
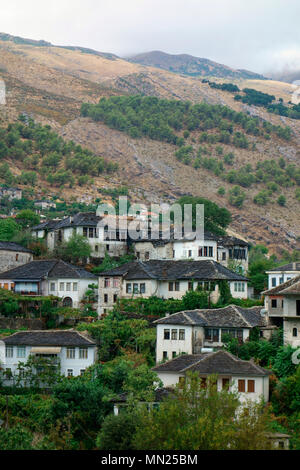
<point x="260" y="35"/>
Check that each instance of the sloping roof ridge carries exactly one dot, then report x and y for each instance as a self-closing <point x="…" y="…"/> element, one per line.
<point x="282" y="286"/>
<point x="204" y="358"/>
<point x="146" y="269"/>
<point x="236" y="309"/>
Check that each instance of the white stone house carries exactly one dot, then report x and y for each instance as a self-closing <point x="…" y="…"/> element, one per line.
<point x="74" y="352"/>
<point x="13" y="255"/>
<point x="248" y="379"/>
<point x="188" y="332"/>
<point x="50" y="277"/>
<point x="11" y="193"/>
<point x="282" y="304"/>
<point x="45" y="204"/>
<point x="226" y="250"/>
<point x="88" y="224"/>
<point x="167" y="280"/>
<point x="282" y="274"/>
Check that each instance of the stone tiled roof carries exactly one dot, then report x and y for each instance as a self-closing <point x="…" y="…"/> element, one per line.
<point x="173" y="270"/>
<point x="220" y="362"/>
<point x="295" y="266"/>
<point x="228" y="241"/>
<point x="11" y="246"/>
<point x="48" y="338"/>
<point x="289" y="287"/>
<point x="47" y="269"/>
<point x="87" y="219"/>
<point x="232" y="316"/>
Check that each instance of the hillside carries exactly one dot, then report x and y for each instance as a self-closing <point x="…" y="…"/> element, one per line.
<point x="190" y="65"/>
<point x="51" y="83"/>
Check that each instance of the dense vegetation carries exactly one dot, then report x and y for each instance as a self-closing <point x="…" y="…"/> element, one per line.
<point x="254" y="97"/>
<point x="45" y="153"/>
<point x="161" y="119"/>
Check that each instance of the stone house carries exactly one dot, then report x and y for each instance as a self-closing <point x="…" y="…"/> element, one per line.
<point x="167" y="280"/>
<point x="11" y="193"/>
<point x="282" y="304"/>
<point x="282" y="274"/>
<point x="248" y="379"/>
<point x="50" y="277"/>
<point x="87" y="224"/>
<point x="74" y="351"/>
<point x="188" y="332"/>
<point x="13" y="255"/>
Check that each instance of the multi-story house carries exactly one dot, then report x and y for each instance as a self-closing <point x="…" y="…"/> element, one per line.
<point x="248" y="379"/>
<point x="167" y="280"/>
<point x="13" y="255"/>
<point x="10" y="193"/>
<point x="50" y="277"/>
<point x="71" y="350"/>
<point x="188" y="332"/>
<point x="101" y="239"/>
<point x="282" y="305"/>
<point x="228" y="251"/>
<point x="282" y="274"/>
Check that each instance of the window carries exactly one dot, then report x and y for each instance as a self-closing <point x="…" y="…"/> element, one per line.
<point x="75" y="287"/>
<point x="9" y="351"/>
<point x="190" y="253"/>
<point x="224" y="256"/>
<point x="274" y="303"/>
<point x="191" y="286"/>
<point x="115" y="283"/>
<point x="68" y="286"/>
<point x="225" y="383"/>
<point x="17" y="257"/>
<point x="85" y="231"/>
<point x="106" y="282"/>
<point x="200" y="251"/>
<point x="83" y="353"/>
<point x="52" y="286"/>
<point x="142" y="288"/>
<point x="182" y="335"/>
<point x="251" y="386"/>
<point x="241" y="386"/>
<point x="166" y="334"/>
<point x="173" y="354"/>
<point x="211" y="252"/>
<point x="171" y="286"/>
<point x="273" y="281"/>
<point x="96" y="248"/>
<point x="205" y="251"/>
<point x="135" y="288"/>
<point x="107" y="247"/>
<point x="91" y="233"/>
<point x="21" y="351"/>
<point x="281" y="280"/>
<point x="174" y="334"/>
<point x="203" y="382"/>
<point x="70" y="372"/>
<point x="295" y="334"/>
<point x="61" y="286"/>
<point x="147" y="255"/>
<point x="298" y="308"/>
<point x="105" y="298"/>
<point x="82" y="371"/>
<point x="177" y="286"/>
<point x="128" y="288"/>
<point x="165" y="355"/>
<point x="115" y="298"/>
<point x="70" y="353"/>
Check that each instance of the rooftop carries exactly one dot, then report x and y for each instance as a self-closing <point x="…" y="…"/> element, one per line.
<point x="232" y="316"/>
<point x="47" y="269"/>
<point x="291" y="287"/>
<point x="11" y="246"/>
<point x="220" y="362"/>
<point x="171" y="270"/>
<point x="295" y="266"/>
<point x="48" y="338"/>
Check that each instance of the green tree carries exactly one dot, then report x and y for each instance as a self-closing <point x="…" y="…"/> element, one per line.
<point x="75" y="249"/>
<point x="8" y="229"/>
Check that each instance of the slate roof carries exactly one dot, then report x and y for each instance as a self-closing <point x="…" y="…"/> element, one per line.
<point x="219" y="362"/>
<point x="47" y="269"/>
<point x="289" y="287"/>
<point x="11" y="246"/>
<point x="48" y="338"/>
<point x="86" y="219"/>
<point x="161" y="240"/>
<point x="232" y="316"/>
<point x="173" y="270"/>
<point x="295" y="266"/>
<point x="229" y="241"/>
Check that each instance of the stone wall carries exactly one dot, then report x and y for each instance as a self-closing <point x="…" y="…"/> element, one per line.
<point x="17" y="323"/>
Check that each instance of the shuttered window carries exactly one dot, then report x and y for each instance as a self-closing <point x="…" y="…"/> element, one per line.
<point x="251" y="386"/>
<point x="241" y="386"/>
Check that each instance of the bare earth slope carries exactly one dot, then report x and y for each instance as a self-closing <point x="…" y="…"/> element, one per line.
<point x="51" y="83"/>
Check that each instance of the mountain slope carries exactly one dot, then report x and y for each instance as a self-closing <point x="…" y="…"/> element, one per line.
<point x="190" y="65"/>
<point x="51" y="83"/>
